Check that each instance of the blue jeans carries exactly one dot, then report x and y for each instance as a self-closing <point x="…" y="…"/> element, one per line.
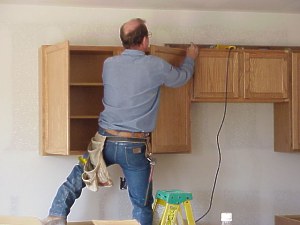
<point x="136" y="168"/>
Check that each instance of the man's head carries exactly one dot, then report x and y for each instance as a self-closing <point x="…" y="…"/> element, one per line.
<point x="134" y="34"/>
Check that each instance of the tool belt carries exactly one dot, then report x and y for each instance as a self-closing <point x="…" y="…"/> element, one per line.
<point x="135" y="137"/>
<point x="95" y="171"/>
<point x="122" y="139"/>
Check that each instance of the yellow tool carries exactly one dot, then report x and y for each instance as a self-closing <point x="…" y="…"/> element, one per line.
<point x="82" y="160"/>
<point x="171" y="200"/>
<point x="218" y="46"/>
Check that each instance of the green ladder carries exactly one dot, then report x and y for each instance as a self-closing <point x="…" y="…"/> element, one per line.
<point x="172" y="200"/>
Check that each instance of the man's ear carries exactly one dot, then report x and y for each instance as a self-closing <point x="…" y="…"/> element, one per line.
<point x="145" y="42"/>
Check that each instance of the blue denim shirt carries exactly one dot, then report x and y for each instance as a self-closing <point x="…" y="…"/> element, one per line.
<point x="132" y="83"/>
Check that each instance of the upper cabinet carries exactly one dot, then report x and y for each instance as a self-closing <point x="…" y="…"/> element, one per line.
<point x="287" y="115"/>
<point x="172" y="132"/>
<point x="71" y="92"/>
<point x="245" y="75"/>
<point x="213" y="70"/>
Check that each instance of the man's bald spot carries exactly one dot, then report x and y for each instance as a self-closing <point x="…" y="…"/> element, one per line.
<point x="133" y="32"/>
<point x="131" y="25"/>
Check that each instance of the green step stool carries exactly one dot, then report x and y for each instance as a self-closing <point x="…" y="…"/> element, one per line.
<point x="172" y="200"/>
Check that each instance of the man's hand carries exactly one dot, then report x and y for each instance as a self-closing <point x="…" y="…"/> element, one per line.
<point x="192" y="51"/>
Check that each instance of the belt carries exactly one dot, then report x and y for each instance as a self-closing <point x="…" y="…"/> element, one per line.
<point x="124" y="139"/>
<point x="127" y="134"/>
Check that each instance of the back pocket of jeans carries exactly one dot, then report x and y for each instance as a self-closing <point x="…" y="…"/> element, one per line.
<point x="135" y="156"/>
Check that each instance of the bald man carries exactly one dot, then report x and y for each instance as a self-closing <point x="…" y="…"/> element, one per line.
<point x="132" y="84"/>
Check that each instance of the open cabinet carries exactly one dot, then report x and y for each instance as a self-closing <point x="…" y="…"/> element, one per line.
<point x="71" y="92"/>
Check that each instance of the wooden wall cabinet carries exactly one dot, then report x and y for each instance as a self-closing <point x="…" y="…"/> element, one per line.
<point x="266" y="74"/>
<point x="211" y="75"/>
<point x="172" y="133"/>
<point x="70" y="101"/>
<point x="287" y="115"/>
<point x="71" y="91"/>
<point x="251" y="75"/>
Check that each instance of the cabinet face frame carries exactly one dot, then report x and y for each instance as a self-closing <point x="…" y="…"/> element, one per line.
<point x="172" y="132"/>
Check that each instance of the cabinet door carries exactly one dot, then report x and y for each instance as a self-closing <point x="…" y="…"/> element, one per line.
<point x="266" y="74"/>
<point x="287" y="114"/>
<point x="295" y="101"/>
<point x="54" y="113"/>
<point x="172" y="133"/>
<point x="212" y="68"/>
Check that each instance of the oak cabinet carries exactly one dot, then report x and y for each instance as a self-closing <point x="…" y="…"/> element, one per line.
<point x="295" y="102"/>
<point x="246" y="75"/>
<point x="287" y="115"/>
<point x="172" y="133"/>
<point x="266" y="74"/>
<point x="70" y="96"/>
<point x="71" y="92"/>
<point x="211" y="75"/>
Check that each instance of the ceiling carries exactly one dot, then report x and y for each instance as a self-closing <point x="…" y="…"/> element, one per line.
<point x="276" y="6"/>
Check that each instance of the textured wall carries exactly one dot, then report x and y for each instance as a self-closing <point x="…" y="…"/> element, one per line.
<point x="255" y="183"/>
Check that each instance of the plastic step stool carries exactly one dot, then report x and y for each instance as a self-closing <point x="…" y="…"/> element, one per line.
<point x="172" y="201"/>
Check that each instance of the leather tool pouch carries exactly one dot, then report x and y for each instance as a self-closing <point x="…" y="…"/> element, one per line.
<point x="95" y="171"/>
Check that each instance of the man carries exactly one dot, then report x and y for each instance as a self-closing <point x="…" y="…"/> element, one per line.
<point x="132" y="82"/>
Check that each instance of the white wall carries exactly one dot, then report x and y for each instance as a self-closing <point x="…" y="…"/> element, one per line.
<point x="255" y="183"/>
